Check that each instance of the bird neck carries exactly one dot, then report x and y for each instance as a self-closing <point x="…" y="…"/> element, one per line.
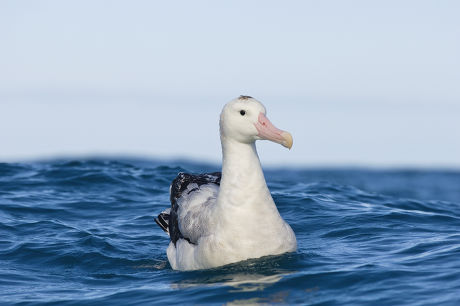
<point x="243" y="182"/>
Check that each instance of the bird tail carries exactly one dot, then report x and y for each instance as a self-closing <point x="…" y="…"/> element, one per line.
<point x="163" y="220"/>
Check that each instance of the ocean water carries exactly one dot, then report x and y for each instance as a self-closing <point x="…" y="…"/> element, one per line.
<point x="83" y="232"/>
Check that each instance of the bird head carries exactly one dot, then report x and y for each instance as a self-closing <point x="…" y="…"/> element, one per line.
<point x="244" y="119"/>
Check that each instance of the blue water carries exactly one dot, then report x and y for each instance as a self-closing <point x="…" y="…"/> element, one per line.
<point x="83" y="232"/>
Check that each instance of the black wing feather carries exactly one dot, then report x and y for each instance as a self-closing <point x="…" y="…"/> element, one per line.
<point x="163" y="221"/>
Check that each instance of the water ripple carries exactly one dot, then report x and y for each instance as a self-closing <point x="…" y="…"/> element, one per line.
<point x="82" y="232"/>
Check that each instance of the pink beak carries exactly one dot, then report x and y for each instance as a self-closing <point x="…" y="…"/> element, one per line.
<point x="269" y="132"/>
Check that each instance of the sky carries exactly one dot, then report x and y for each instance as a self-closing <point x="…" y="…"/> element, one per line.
<point x="357" y="83"/>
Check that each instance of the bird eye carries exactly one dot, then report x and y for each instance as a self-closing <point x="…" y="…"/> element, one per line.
<point x="242" y="112"/>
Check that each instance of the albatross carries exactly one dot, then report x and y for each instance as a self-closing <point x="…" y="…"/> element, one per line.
<point x="230" y="216"/>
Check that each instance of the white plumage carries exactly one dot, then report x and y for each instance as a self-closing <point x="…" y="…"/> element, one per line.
<point x="237" y="220"/>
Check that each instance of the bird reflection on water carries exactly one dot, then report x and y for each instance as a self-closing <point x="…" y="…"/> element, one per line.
<point x="247" y="276"/>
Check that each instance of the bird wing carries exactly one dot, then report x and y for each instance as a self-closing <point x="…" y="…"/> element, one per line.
<point x="191" y="197"/>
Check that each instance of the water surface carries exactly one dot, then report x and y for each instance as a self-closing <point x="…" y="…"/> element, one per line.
<point x="83" y="232"/>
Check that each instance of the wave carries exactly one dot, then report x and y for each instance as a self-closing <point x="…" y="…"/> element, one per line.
<point x="83" y="232"/>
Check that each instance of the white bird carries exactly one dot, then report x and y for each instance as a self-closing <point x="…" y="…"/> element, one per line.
<point x="221" y="218"/>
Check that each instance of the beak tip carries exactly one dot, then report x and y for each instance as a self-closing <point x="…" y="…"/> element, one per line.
<point x="287" y="140"/>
